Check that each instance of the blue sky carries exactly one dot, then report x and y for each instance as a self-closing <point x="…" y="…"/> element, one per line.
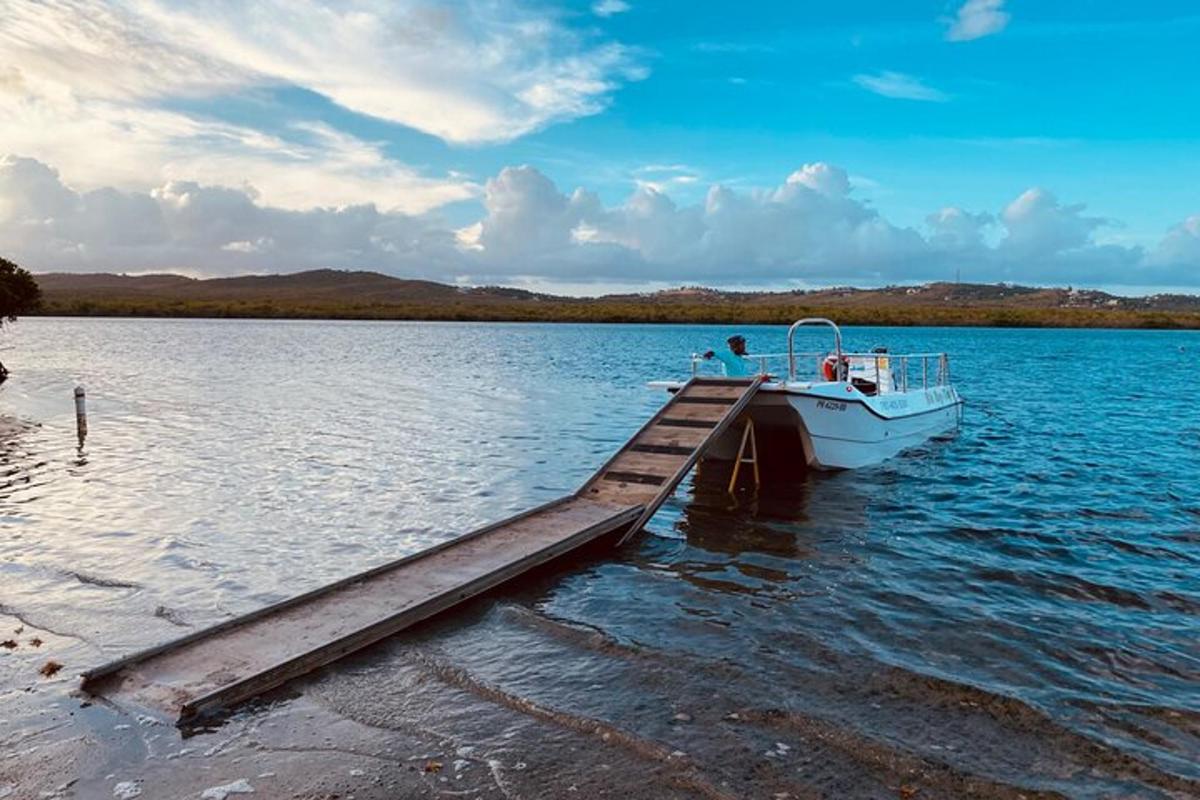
<point x="851" y="142"/>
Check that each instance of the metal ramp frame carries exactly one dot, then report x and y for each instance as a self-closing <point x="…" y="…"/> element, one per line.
<point x="240" y="658"/>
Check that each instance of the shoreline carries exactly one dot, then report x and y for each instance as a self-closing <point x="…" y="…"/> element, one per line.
<point x="636" y="314"/>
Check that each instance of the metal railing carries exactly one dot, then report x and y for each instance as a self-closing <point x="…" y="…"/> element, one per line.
<point x="934" y="367"/>
<point x="837" y="342"/>
<point x="879" y="368"/>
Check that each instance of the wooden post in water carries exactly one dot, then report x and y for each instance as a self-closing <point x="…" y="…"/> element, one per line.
<point x="80" y="414"/>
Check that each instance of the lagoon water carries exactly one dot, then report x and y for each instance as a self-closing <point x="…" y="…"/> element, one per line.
<point x="1014" y="611"/>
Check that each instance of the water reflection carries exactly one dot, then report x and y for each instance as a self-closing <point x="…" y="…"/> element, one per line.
<point x="21" y="467"/>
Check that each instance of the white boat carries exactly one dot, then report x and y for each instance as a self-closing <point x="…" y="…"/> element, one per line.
<point x="849" y="409"/>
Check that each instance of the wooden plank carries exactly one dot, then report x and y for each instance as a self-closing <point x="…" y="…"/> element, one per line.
<point x="704" y="413"/>
<point x="742" y="383"/>
<point x="663" y="449"/>
<point x="671" y="422"/>
<point x="664" y="466"/>
<point x="730" y="393"/>
<point x="669" y="436"/>
<point x="608" y="492"/>
<point x="616" y="476"/>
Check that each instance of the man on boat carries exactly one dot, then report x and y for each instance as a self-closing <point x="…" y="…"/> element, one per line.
<point x="736" y="362"/>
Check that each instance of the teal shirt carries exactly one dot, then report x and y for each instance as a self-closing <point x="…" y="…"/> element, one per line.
<point x="735" y="366"/>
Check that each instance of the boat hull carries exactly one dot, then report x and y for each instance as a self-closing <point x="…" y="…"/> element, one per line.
<point x="841" y="428"/>
<point x="849" y="430"/>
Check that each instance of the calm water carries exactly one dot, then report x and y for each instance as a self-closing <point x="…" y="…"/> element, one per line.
<point x="1012" y="611"/>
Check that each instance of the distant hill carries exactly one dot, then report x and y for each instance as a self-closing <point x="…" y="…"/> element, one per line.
<point x="370" y="295"/>
<point x="930" y="295"/>
<point x="321" y="285"/>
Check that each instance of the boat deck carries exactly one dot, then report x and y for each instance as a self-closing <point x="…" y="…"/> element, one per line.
<point x="243" y="657"/>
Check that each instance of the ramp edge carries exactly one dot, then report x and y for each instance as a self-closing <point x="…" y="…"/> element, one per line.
<point x="317" y="657"/>
<point x="92" y="676"/>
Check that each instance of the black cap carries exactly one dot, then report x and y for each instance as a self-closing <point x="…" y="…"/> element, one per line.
<point x="737" y="337"/>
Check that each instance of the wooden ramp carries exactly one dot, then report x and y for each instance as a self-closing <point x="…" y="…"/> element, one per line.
<point x="246" y="656"/>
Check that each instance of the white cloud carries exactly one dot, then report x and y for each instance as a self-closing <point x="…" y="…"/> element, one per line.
<point x="808" y="227"/>
<point x="821" y="177"/>
<point x="110" y="92"/>
<point x="900" y="86"/>
<point x="954" y="229"/>
<point x="1180" y="247"/>
<point x="143" y="147"/>
<point x="808" y="230"/>
<point x="203" y="229"/>
<point x="1038" y="224"/>
<point x="662" y="177"/>
<point x="527" y="217"/>
<point x="976" y="19"/>
<point x="607" y="8"/>
<point x="463" y="71"/>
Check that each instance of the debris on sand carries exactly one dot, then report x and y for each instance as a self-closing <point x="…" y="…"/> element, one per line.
<point x="240" y="786"/>
<point x="50" y="668"/>
<point x="171" y="616"/>
<point x="36" y="642"/>
<point x="8" y="644"/>
<point x="127" y="790"/>
<point x="433" y="766"/>
<point x="106" y="583"/>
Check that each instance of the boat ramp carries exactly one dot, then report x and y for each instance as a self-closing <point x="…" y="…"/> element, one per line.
<point x="221" y="666"/>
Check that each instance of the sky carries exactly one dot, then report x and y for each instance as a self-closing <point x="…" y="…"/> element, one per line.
<point x="601" y="145"/>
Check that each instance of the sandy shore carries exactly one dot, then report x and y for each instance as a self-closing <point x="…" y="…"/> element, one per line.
<point x="344" y="733"/>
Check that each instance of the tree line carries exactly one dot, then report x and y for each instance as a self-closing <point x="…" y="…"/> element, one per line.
<point x="602" y="310"/>
<point x="19" y="294"/>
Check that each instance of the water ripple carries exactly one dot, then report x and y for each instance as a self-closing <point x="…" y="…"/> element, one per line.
<point x="1009" y="611"/>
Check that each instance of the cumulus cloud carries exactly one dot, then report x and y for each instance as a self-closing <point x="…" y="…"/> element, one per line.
<point x="184" y="225"/>
<point x="900" y="86"/>
<point x="1180" y="248"/>
<point x="809" y="229"/>
<point x="1038" y="224"/>
<point x="956" y="230"/>
<point x="976" y="19"/>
